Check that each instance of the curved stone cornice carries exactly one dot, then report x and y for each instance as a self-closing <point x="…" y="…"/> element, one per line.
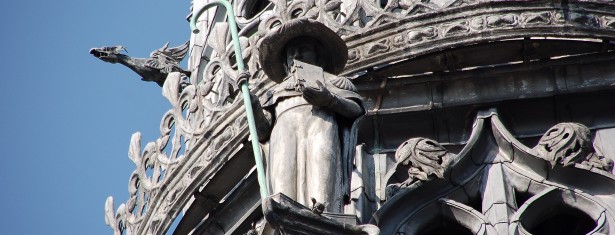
<point x="377" y="35"/>
<point x="406" y="37"/>
<point x="166" y="178"/>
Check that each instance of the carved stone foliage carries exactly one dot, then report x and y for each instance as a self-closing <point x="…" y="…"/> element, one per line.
<point x="379" y="32"/>
<point x="478" y="22"/>
<point x="423" y="160"/>
<point x="382" y="32"/>
<point x="153" y="163"/>
<point x="497" y="185"/>
<point x="570" y="143"/>
<point x="353" y="16"/>
<point x="218" y="76"/>
<point x="410" y="7"/>
<point x="166" y="176"/>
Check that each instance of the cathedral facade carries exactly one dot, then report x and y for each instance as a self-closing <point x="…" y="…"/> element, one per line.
<point x="475" y="117"/>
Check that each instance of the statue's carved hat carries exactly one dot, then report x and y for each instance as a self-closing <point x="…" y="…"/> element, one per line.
<point x="272" y="47"/>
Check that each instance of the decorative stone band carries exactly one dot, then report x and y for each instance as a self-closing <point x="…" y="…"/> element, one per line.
<point x="412" y="36"/>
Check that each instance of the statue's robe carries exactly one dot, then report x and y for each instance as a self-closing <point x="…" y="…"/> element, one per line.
<point x="310" y="147"/>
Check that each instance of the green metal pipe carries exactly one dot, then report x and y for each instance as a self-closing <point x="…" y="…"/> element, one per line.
<point x="244" y="86"/>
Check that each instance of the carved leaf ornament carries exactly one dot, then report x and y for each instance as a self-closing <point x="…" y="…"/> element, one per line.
<point x="425" y="159"/>
<point x="565" y="143"/>
<point x="184" y="125"/>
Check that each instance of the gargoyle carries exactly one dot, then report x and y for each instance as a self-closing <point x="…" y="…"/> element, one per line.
<point x="154" y="69"/>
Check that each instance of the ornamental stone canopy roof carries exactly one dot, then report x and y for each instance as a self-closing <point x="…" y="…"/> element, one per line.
<point x="481" y="117"/>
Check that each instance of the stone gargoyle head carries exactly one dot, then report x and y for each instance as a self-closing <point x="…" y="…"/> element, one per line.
<point x="110" y="54"/>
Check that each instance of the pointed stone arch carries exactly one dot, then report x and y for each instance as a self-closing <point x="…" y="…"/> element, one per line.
<point x="519" y="190"/>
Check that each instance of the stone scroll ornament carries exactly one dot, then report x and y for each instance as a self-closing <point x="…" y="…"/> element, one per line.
<point x="570" y="143"/>
<point x="424" y="159"/>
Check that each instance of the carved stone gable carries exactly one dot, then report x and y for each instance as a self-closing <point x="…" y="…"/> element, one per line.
<point x="497" y="185"/>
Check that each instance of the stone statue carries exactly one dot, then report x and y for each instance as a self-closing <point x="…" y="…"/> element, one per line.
<point x="307" y="116"/>
<point x="154" y="69"/>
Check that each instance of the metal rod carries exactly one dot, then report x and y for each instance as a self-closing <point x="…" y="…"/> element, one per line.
<point x="244" y="86"/>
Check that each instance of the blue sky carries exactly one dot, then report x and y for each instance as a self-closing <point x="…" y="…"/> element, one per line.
<point x="67" y="117"/>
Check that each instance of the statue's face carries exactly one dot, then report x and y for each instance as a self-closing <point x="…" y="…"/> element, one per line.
<point x="305" y="52"/>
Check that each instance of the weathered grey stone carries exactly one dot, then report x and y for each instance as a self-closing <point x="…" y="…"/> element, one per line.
<point x="310" y="113"/>
<point x="154" y="69"/>
<point x="425" y="69"/>
<point x="423" y="159"/>
<point x="570" y="143"/>
<point x="502" y="182"/>
<point x="290" y="217"/>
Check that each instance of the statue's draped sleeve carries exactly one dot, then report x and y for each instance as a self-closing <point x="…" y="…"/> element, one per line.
<point x="349" y="127"/>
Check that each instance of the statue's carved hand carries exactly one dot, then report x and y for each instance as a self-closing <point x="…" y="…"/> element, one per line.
<point x="319" y="96"/>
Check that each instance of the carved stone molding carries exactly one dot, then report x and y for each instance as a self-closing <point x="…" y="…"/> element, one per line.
<point x="487" y="21"/>
<point x="290" y="217"/>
